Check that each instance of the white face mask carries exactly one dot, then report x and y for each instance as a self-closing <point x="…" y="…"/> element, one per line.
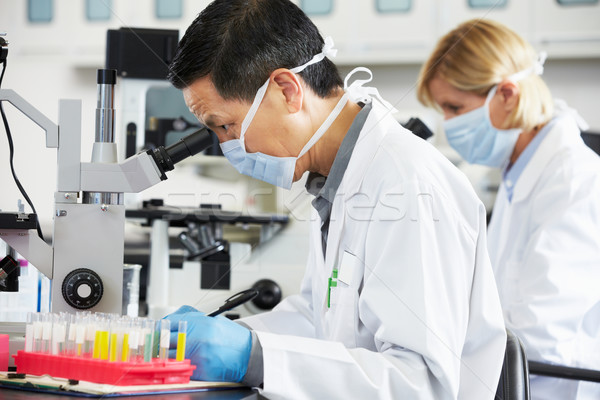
<point x="474" y="137"/>
<point x="278" y="171"/>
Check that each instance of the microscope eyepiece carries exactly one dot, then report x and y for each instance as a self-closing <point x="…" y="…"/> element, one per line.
<point x="190" y="145"/>
<point x="166" y="157"/>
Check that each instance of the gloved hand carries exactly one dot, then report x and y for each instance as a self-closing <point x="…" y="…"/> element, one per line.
<point x="218" y="347"/>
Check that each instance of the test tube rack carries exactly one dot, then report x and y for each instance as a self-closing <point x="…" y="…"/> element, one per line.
<point x="101" y="371"/>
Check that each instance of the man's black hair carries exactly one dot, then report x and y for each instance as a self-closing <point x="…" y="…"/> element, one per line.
<point x="239" y="43"/>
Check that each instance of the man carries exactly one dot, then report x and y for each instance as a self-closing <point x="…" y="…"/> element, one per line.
<point x="398" y="300"/>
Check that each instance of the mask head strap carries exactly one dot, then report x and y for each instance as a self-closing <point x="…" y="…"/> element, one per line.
<point x="327" y="51"/>
<point x="537" y="68"/>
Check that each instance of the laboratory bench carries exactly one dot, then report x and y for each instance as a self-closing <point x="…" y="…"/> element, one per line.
<point x="227" y="394"/>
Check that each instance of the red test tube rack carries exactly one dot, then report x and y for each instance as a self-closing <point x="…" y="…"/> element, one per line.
<point x="102" y="371"/>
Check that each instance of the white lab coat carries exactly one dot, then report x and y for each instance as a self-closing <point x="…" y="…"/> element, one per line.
<point x="545" y="249"/>
<point x="415" y="314"/>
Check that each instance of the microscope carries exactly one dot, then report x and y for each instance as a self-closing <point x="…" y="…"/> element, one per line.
<point x="85" y="259"/>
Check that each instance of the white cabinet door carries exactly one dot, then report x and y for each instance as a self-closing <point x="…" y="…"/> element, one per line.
<point x="377" y="31"/>
<point x="69" y="34"/>
<point x="567" y="30"/>
<point x="333" y="18"/>
<point x="393" y="31"/>
<point x="513" y="13"/>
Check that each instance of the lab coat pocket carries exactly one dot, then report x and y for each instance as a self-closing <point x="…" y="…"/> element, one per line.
<point x="342" y="316"/>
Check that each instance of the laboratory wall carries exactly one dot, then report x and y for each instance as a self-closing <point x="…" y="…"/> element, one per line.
<point x="55" y="51"/>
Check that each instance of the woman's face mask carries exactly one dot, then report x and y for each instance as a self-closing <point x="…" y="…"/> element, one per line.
<point x="474" y="137"/>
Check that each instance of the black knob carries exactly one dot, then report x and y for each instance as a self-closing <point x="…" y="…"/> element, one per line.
<point x="153" y="203"/>
<point x="82" y="288"/>
<point x="106" y="76"/>
<point x="269" y="294"/>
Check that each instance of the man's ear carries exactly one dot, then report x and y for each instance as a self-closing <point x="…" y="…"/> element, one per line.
<point x="290" y="87"/>
<point x="509" y="93"/>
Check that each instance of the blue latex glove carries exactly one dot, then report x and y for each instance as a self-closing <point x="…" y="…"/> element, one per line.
<point x="218" y="347"/>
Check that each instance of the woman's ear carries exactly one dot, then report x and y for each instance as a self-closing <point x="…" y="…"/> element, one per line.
<point x="289" y="86"/>
<point x="509" y="94"/>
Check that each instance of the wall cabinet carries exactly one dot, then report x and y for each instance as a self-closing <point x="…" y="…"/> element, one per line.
<point x="369" y="35"/>
<point x="365" y="31"/>
<point x="566" y="28"/>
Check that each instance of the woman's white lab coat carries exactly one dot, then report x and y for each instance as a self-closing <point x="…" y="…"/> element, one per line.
<point x="545" y="249"/>
<point x="415" y="313"/>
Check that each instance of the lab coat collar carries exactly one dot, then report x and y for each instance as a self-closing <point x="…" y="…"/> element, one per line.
<point x="565" y="133"/>
<point x="374" y="130"/>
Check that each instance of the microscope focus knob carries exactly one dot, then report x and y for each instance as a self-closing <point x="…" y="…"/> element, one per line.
<point x="82" y="288"/>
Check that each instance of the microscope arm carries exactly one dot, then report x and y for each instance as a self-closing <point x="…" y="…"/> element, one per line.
<point x="32" y="113"/>
<point x="25" y="241"/>
<point x="142" y="170"/>
<point x="38" y="252"/>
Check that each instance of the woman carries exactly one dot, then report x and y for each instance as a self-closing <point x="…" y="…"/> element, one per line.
<point x="544" y="236"/>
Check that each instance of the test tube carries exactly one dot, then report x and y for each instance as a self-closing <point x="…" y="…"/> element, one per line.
<point x="58" y="334"/>
<point x="125" y="341"/>
<point x="38" y="325"/>
<point x="90" y="335"/>
<point x="71" y="346"/>
<point x="165" y="335"/>
<point x="104" y="338"/>
<point x="156" y="339"/>
<point x="133" y="341"/>
<point x="148" y="333"/>
<point x="46" y="333"/>
<point x="115" y="331"/>
<point x="181" y="337"/>
<point x="97" y="334"/>
<point x="31" y="318"/>
<point x="80" y="331"/>
<point x="141" y="337"/>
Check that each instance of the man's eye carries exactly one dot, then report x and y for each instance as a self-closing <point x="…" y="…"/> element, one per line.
<point x="225" y="127"/>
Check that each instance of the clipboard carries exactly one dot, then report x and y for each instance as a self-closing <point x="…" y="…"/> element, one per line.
<point x="49" y="384"/>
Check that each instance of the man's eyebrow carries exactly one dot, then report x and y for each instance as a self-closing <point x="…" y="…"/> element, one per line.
<point x="211" y="120"/>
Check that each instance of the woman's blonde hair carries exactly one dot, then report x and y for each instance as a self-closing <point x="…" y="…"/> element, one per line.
<point x="479" y="54"/>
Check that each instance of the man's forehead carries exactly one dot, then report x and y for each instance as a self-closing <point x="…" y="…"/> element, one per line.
<point x="200" y="96"/>
<point x="199" y="92"/>
<point x="205" y="102"/>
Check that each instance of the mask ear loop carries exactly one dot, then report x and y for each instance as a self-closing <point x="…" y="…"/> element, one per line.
<point x="260" y="94"/>
<point x="326" y="124"/>
<point x="327" y="51"/>
<point x="490" y="95"/>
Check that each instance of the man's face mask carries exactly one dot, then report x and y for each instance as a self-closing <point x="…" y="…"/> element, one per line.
<point x="278" y="171"/>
